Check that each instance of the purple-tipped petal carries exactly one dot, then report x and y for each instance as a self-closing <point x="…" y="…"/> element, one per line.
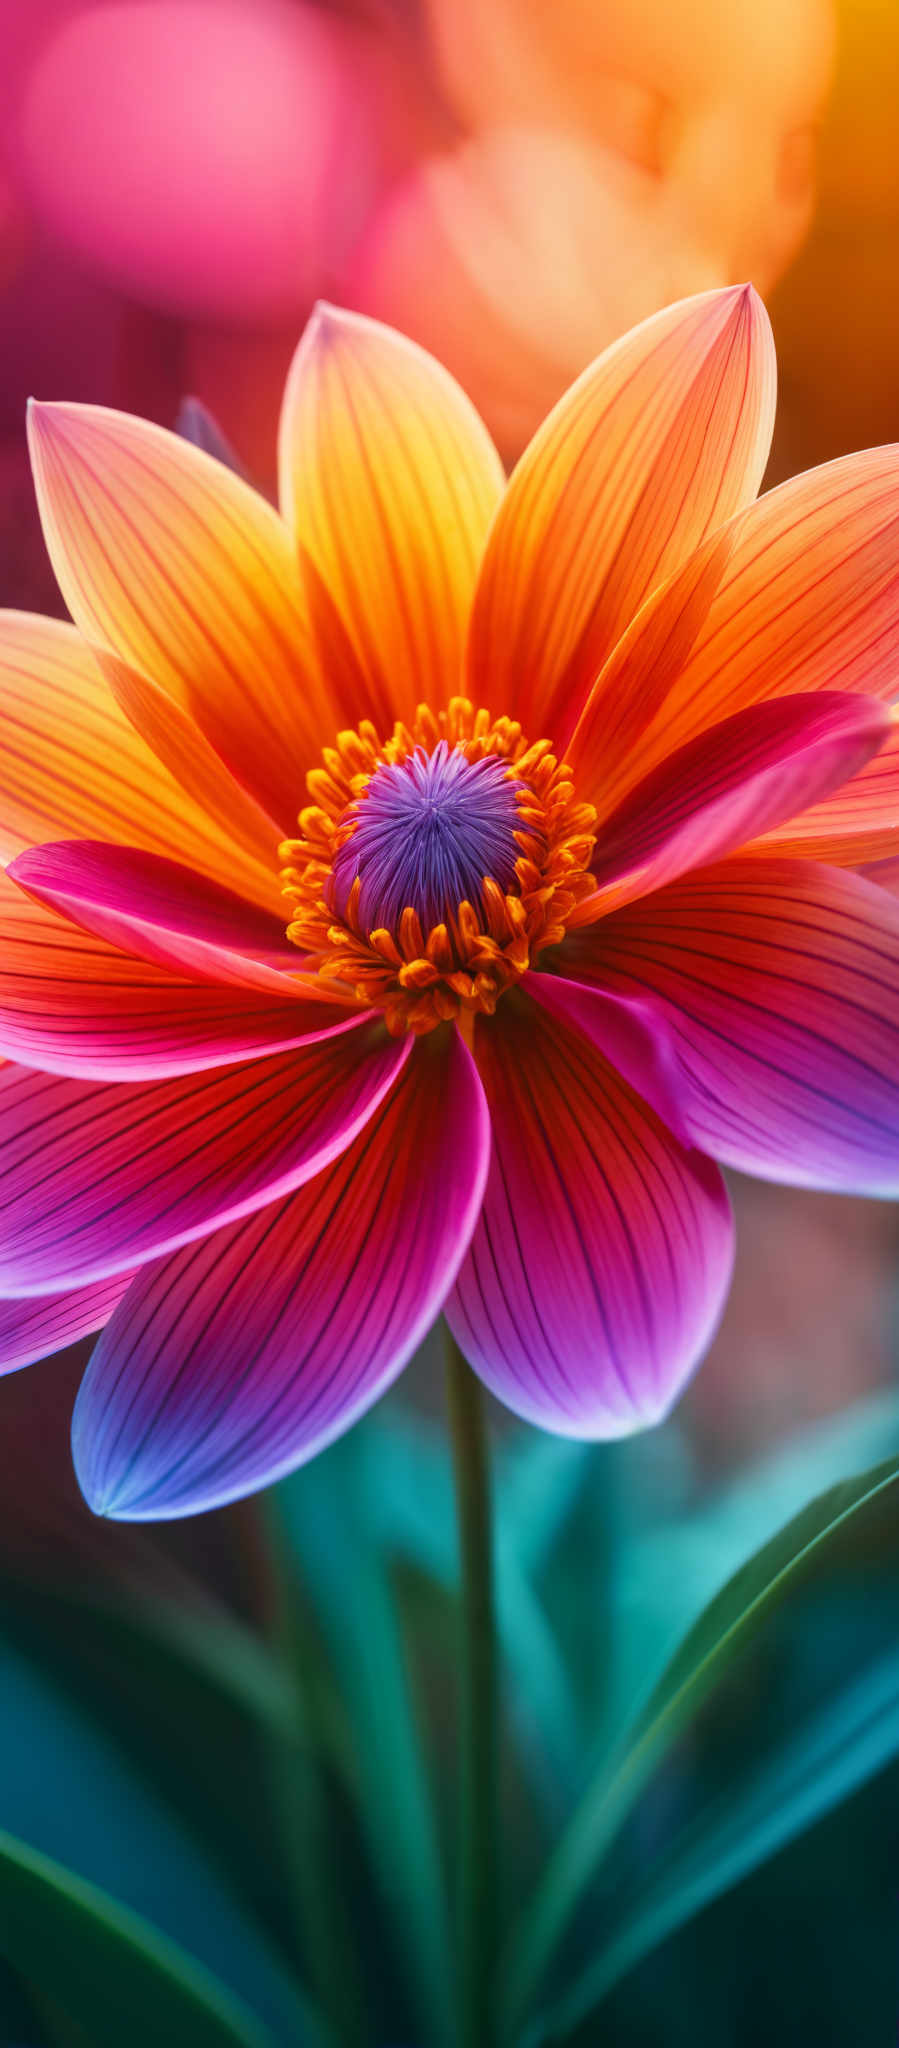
<point x="238" y="1358"/>
<point x="97" y="1178"/>
<point x="195" y="423"/>
<point x="33" y="1329"/>
<point x="603" y="1253"/>
<point x="778" y="981"/>
<point x="628" y="1030"/>
<point x="160" y="911"/>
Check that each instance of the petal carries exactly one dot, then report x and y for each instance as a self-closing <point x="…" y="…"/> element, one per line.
<point x="161" y="912"/>
<point x="179" y="744"/>
<point x="196" y="423"/>
<point x="808" y="600"/>
<point x="778" y="981"/>
<point x="741" y="777"/>
<point x="857" y="824"/>
<point x="97" y="1178"/>
<point x="627" y="1030"/>
<point x="176" y="565"/>
<point x="642" y="668"/>
<point x="34" y="1329"/>
<point x="603" y="1253"/>
<point x="654" y="446"/>
<point x="388" y="480"/>
<point x="73" y="766"/>
<point x="237" y="1359"/>
<point x="885" y="873"/>
<point x="71" y="1004"/>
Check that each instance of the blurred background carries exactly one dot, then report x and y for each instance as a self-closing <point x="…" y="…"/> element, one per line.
<point x="514" y="182"/>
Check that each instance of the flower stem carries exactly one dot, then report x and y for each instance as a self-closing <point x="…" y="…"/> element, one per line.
<point x="478" y="1822"/>
<point x="301" y="1807"/>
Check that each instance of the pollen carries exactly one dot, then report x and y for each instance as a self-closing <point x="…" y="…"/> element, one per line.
<point x="434" y="866"/>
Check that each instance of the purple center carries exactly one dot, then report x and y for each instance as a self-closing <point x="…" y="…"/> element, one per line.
<point x="426" y="832"/>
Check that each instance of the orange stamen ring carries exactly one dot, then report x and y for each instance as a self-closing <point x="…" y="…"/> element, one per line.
<point x="423" y="976"/>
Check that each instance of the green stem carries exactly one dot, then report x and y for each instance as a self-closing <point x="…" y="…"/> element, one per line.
<point x="478" y="1821"/>
<point x="302" y="1806"/>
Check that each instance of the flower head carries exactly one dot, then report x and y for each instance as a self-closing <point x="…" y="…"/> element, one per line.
<point x="437" y="865"/>
<point x="414" y="893"/>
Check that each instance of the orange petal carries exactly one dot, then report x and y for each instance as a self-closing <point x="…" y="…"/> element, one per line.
<point x="73" y="766"/>
<point x="809" y="600"/>
<point x="858" y="823"/>
<point x="178" y="743"/>
<point x="176" y="565"/>
<point x="642" y="668"/>
<point x="657" y="444"/>
<point x="389" y="481"/>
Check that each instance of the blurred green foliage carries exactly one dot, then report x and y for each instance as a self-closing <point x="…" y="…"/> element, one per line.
<point x="228" y="1832"/>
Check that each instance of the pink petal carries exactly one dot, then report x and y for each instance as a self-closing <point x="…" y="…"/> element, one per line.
<point x="72" y="1004"/>
<point x="766" y="763"/>
<point x="34" y="1329"/>
<point x="161" y="912"/>
<point x="857" y="824"/>
<point x="101" y="1177"/>
<point x="885" y="873"/>
<point x="603" y="1254"/>
<point x="627" y="1030"/>
<point x="238" y="1358"/>
<point x="778" y="982"/>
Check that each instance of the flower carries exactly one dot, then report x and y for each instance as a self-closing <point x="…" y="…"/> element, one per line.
<point x="438" y="878"/>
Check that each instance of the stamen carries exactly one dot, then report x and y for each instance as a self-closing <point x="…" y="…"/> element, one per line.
<point x="429" y="831"/>
<point x="436" y="865"/>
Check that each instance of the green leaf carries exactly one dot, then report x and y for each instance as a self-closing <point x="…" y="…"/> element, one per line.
<point x="830" y="1757"/>
<point x="203" y="1648"/>
<point x="69" y="1790"/>
<point x="723" y="1631"/>
<point x="109" y="1971"/>
<point x="681" y="1561"/>
<point x="123" y="1679"/>
<point x="668" y="1564"/>
<point x="222" y="1652"/>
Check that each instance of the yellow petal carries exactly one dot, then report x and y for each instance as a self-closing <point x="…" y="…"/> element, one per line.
<point x="179" y="567"/>
<point x="72" y="765"/>
<point x="659" y="442"/>
<point x="389" y="481"/>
